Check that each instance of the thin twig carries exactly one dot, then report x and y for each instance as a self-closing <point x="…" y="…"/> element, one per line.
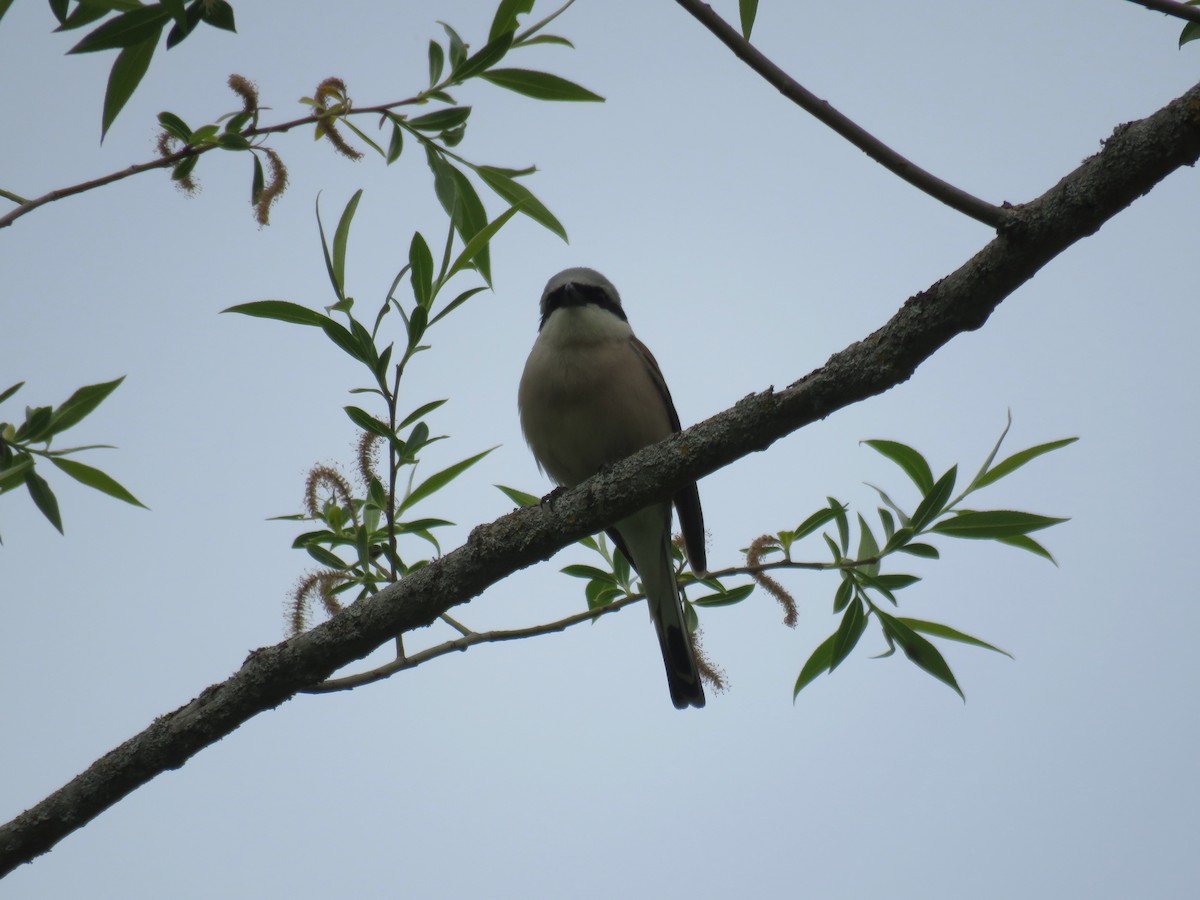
<point x="1178" y="10"/>
<point x="954" y="197"/>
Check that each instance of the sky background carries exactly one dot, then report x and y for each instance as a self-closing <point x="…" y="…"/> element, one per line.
<point x="749" y="244"/>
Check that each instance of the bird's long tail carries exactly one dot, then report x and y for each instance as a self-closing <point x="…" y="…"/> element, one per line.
<point x="649" y="539"/>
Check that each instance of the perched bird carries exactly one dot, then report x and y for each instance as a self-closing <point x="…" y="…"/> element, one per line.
<point x="592" y="394"/>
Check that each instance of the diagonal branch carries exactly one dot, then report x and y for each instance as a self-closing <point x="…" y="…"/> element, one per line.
<point x="955" y="198"/>
<point x="1179" y="10"/>
<point x="1134" y="159"/>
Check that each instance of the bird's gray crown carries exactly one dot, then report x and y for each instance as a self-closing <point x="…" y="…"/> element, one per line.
<point x="580" y="286"/>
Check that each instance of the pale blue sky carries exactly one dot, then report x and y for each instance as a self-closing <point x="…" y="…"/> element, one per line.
<point x="749" y="243"/>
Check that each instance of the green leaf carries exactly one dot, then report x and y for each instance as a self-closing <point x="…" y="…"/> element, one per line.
<point x="458" y="50"/>
<point x="1017" y="460"/>
<point x="934" y="501"/>
<point x="421" y="261"/>
<point x="10" y="391"/>
<point x="344" y="339"/>
<point x="281" y="310"/>
<point x="437" y="60"/>
<point x="80" y="404"/>
<point x="519" y="497"/>
<point x="908" y="459"/>
<point x="340" y="238"/>
<point x="175" y="126"/>
<point x="492" y="53"/>
<point x="854" y="622"/>
<point x="219" y="14"/>
<point x="747" y="10"/>
<point x="923" y="550"/>
<point x="94" y="478"/>
<point x="180" y="30"/>
<point x="539" y="85"/>
<point x="43" y="498"/>
<point x="184" y="167"/>
<point x="812" y="523"/>
<point x="505" y="20"/>
<point x="898" y="539"/>
<point x="457" y="302"/>
<point x="994" y="524"/>
<point x="843" y="525"/>
<point x="366" y="421"/>
<point x="547" y="39"/>
<point x="419" y="413"/>
<point x="14" y="475"/>
<point x="441" y="119"/>
<point x="845" y="589"/>
<point x="1025" y="542"/>
<point x="477" y="247"/>
<point x="519" y="195"/>
<point x="439" y="480"/>
<point x="725" y="598"/>
<point x="896" y="582"/>
<point x="127" y="71"/>
<point x="139" y="26"/>
<point x="1191" y="32"/>
<point x="900" y="514"/>
<point x="257" y="182"/>
<point x="396" y="147"/>
<point x="325" y="557"/>
<point x="817" y="664"/>
<point x="599" y="593"/>
<point x="461" y="202"/>
<point x="945" y="631"/>
<point x="919" y="651"/>
<point x="867" y="547"/>
<point x="591" y="572"/>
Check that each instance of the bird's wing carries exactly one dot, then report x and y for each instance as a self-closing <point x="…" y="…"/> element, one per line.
<point x="687" y="499"/>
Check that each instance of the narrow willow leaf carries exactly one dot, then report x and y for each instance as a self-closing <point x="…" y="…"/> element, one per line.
<point x="14" y="475"/>
<point x="900" y="514"/>
<point x="1017" y="460"/>
<point x="219" y="14"/>
<point x="175" y="126"/>
<point x="812" y="523"/>
<point x="1191" y="32"/>
<point x="505" y="20"/>
<point x="457" y="302"/>
<point x="441" y="119"/>
<point x="257" y="181"/>
<point x="458" y="50"/>
<point x="366" y="421"/>
<point x="280" y="310"/>
<point x="419" y="413"/>
<point x="867" y="547"/>
<point x="340" y="238"/>
<point x="817" y="664"/>
<point x="396" y="147"/>
<point x="80" y="404"/>
<point x="898" y="540"/>
<point x="440" y="479"/>
<point x="94" y="478"/>
<point x="841" y="597"/>
<point x="599" y="594"/>
<point x="421" y="260"/>
<point x="920" y="651"/>
<point x="853" y="623"/>
<point x="124" y="77"/>
<point x="519" y="497"/>
<point x="923" y="550"/>
<point x="843" y="525"/>
<point x="895" y="581"/>
<point x="1025" y="542"/>
<point x="888" y="523"/>
<point x="747" y="10"/>
<point x="12" y="390"/>
<point x="326" y="558"/>
<point x="991" y="456"/>
<point x="130" y="29"/>
<point x="547" y="39"/>
<point x="43" y="498"/>
<point x="437" y="60"/>
<point x="184" y="167"/>
<point x="945" y="631"/>
<point x="539" y="85"/>
<point x="492" y="53"/>
<point x="517" y="194"/>
<point x="477" y="246"/>
<point x="993" y="524"/>
<point x="344" y="339"/>
<point x="908" y="459"/>
<point x="590" y="572"/>
<point x="725" y="598"/>
<point x="934" y="501"/>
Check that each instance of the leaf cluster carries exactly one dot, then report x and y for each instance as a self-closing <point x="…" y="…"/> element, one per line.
<point x="22" y="445"/>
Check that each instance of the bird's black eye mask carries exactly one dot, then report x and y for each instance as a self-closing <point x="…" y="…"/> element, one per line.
<point x="573" y="294"/>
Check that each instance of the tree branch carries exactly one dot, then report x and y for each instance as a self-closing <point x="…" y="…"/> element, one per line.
<point x="954" y="197"/>
<point x="1179" y="10"/>
<point x="1136" y="157"/>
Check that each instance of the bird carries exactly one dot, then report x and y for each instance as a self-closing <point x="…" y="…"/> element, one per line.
<point x="590" y="395"/>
